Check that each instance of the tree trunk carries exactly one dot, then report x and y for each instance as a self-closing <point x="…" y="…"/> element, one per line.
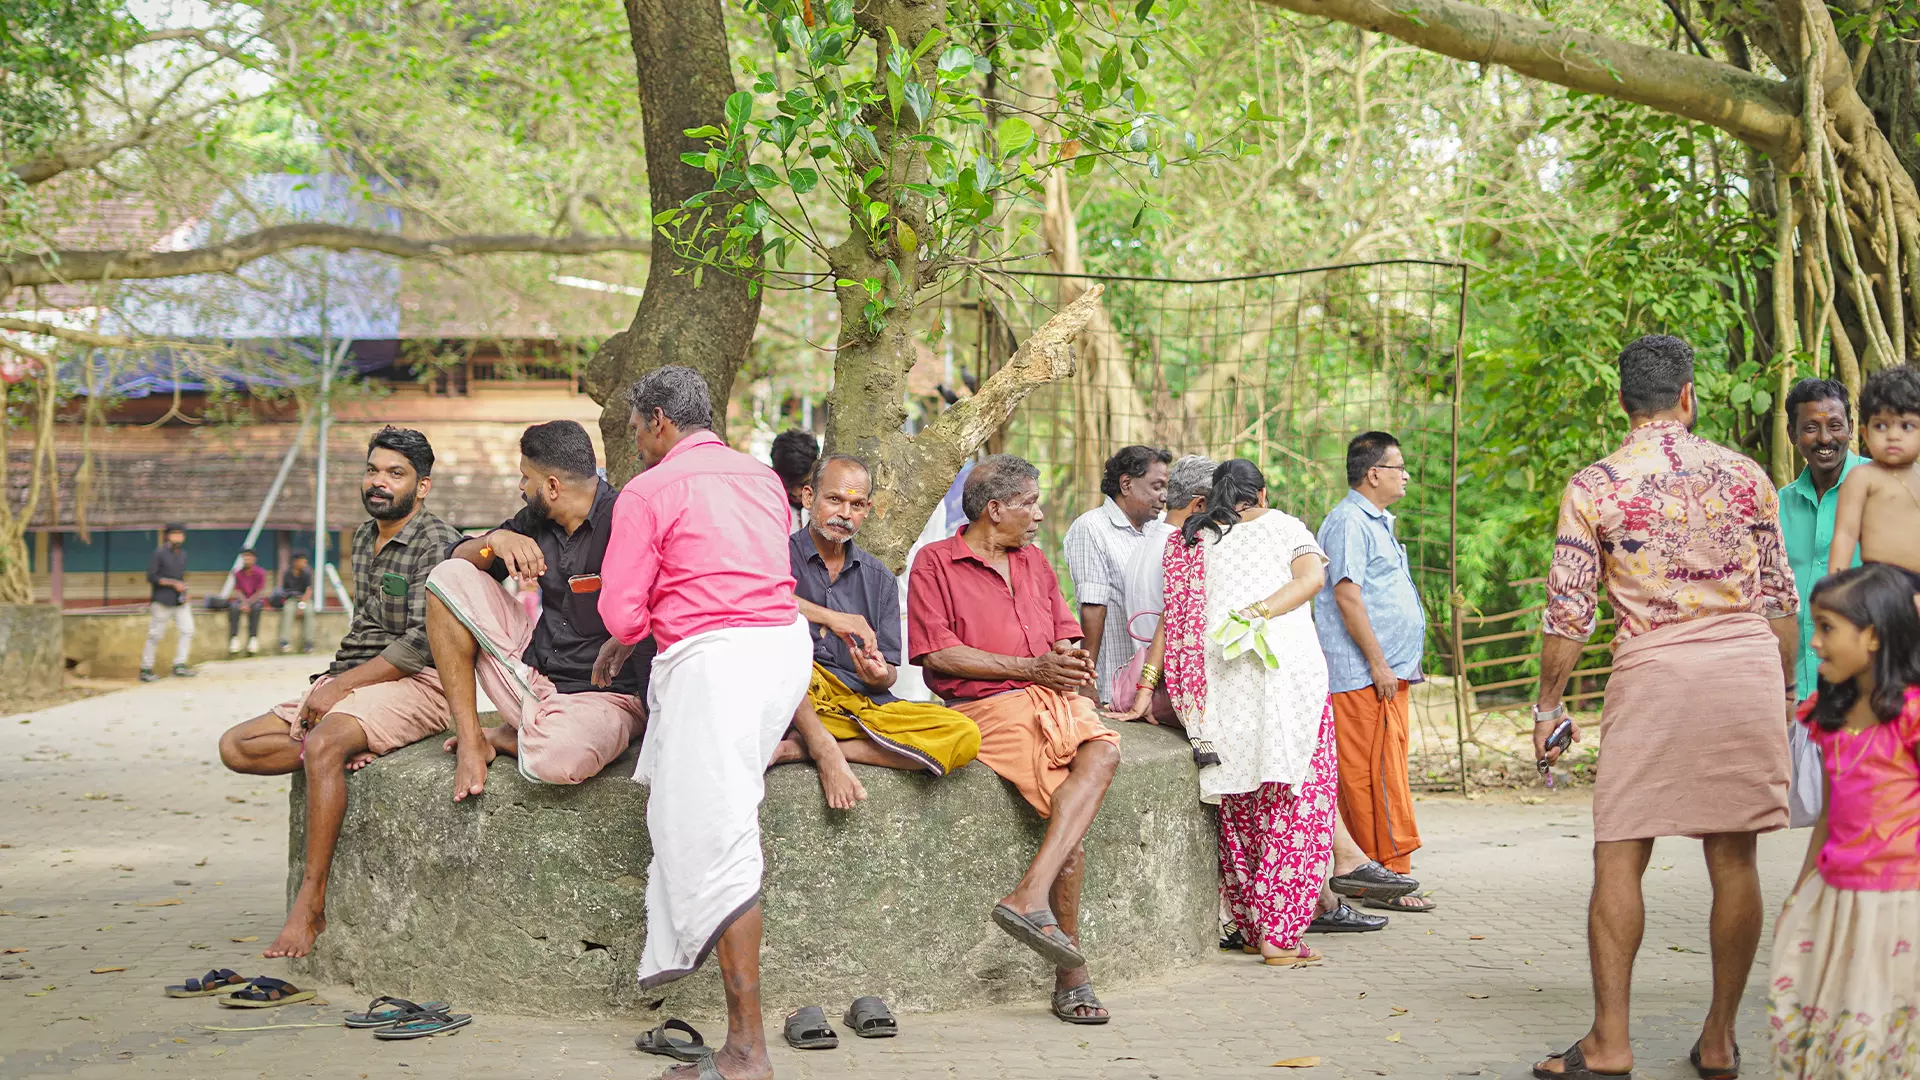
<point x="703" y="321"/>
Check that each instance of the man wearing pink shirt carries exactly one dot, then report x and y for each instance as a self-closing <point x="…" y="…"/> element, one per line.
<point x="698" y="559"/>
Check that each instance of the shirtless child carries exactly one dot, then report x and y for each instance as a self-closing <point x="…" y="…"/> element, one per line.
<point x="1880" y="500"/>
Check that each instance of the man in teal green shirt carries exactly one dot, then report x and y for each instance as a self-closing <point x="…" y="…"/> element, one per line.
<point x="1823" y="432"/>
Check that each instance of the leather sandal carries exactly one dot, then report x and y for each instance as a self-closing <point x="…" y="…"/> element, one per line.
<point x="1574" y="1062"/>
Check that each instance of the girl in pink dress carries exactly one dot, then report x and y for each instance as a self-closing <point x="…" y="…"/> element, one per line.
<point x="1846" y="982"/>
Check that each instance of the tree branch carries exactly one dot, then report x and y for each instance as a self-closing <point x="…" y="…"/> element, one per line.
<point x="61" y="267"/>
<point x="1755" y="109"/>
<point x="88" y="337"/>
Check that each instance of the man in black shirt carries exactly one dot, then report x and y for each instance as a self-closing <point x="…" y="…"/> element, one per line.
<point x="295" y="592"/>
<point x="568" y="693"/>
<point x="167" y="603"/>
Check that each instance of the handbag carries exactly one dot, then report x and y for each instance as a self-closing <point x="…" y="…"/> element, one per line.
<point x="1806" y="791"/>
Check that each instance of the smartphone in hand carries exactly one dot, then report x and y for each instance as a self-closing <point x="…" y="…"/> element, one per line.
<point x="1561" y="738"/>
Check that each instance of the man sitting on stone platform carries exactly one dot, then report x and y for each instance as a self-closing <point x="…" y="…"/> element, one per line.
<point x="381" y="692"/>
<point x="851" y="600"/>
<point x="565" y="709"/>
<point x="998" y="642"/>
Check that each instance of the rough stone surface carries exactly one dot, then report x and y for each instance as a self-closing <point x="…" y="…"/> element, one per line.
<point x="532" y="898"/>
<point x="30" y="655"/>
<point x="107" y="644"/>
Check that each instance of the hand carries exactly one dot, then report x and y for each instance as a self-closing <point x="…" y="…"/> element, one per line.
<point x="852" y="629"/>
<point x="613" y="656"/>
<point x="1543" y="731"/>
<point x="1065" y="669"/>
<point x="320" y="701"/>
<point x="521" y="554"/>
<point x="870" y="665"/>
<point x="1142" y="706"/>
<point x="1385" y="683"/>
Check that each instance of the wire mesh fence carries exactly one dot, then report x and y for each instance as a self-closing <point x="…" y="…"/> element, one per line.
<point x="1279" y="368"/>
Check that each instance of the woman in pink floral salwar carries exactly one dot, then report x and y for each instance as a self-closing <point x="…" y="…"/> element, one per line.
<point x="1247" y="678"/>
<point x="1846" y="981"/>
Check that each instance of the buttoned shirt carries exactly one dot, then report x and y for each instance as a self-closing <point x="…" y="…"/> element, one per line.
<point x="1677" y="528"/>
<point x="1358" y="539"/>
<point x="167" y="562"/>
<point x="696" y="547"/>
<point x="1143" y="592"/>
<point x="864" y="588"/>
<point x="568" y="638"/>
<point x="1099" y="545"/>
<point x="954" y="598"/>
<point x="390" y="594"/>
<point x="1806" y="525"/>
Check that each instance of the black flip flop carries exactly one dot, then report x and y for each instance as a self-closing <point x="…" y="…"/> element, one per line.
<point x="1576" y="1068"/>
<point x="217" y="981"/>
<point x="1731" y="1072"/>
<point x="432" y="1022"/>
<point x="658" y="1041"/>
<point x="266" y="992"/>
<point x="1073" y="997"/>
<point x="400" y="1010"/>
<point x="1031" y="930"/>
<point x="807" y="1029"/>
<point x="870" y="1018"/>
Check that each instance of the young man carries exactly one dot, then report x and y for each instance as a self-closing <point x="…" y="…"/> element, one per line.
<point x="292" y="597"/>
<point x="851" y="601"/>
<point x="167" y="603"/>
<point x="1880" y="503"/>
<point x="699" y="561"/>
<point x="249" y="595"/>
<point x="566" y="710"/>
<point x="1099" y="545"/>
<point x="381" y="692"/>
<point x="793" y="454"/>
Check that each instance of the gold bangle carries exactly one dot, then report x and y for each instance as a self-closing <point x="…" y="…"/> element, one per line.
<point x="1150" y="676"/>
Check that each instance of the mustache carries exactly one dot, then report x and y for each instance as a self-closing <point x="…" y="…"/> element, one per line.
<point x="838" y="523"/>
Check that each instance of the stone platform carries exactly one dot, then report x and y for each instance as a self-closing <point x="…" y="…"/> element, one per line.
<point x="531" y="899"/>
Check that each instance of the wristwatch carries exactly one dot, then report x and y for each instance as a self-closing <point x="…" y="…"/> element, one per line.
<point x="1550" y="715"/>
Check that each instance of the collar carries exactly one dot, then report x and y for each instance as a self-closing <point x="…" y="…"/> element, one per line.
<point x="414" y="524"/>
<point x="703" y="437"/>
<point x="956" y="549"/>
<point x="1117" y="517"/>
<point x="1802" y="485"/>
<point x="1365" y="506"/>
<point x="1653" y="429"/>
<point x="801" y="543"/>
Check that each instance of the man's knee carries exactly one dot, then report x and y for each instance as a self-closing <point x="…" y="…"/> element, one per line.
<point x="333" y="739"/>
<point x="1101" y="758"/>
<point x="233" y="750"/>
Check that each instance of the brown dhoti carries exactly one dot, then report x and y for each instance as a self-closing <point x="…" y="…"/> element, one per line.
<point x="1376" y="797"/>
<point x="1029" y="737"/>
<point x="1693" y="739"/>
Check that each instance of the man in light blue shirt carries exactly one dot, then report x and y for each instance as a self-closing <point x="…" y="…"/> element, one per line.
<point x="1823" y="432"/>
<point x="1373" y="631"/>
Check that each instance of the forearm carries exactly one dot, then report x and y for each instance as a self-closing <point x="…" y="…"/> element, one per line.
<point x="1353" y="613"/>
<point x="967" y="662"/>
<point x="813" y="612"/>
<point x="377" y="670"/>
<point x="1292" y="595"/>
<point x="1093" y="623"/>
<point x="1558" y="655"/>
<point x="1786" y="631"/>
<point x="469" y="549"/>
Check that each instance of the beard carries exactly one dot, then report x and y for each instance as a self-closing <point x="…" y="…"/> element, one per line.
<point x="387" y="509"/>
<point x="538" y="506"/>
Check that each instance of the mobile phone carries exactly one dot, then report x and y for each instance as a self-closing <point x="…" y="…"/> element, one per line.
<point x="584" y="583"/>
<point x="1561" y="738"/>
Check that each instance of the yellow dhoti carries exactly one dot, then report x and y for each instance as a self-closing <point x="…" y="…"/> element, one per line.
<point x="937" y="737"/>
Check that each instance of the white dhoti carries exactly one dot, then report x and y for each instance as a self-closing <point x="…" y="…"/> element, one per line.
<point x="718" y="704"/>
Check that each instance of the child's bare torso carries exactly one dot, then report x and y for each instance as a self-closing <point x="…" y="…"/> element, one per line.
<point x="1890" y="519"/>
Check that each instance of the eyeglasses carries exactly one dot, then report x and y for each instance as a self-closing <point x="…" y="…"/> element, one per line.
<point x="1402" y="468"/>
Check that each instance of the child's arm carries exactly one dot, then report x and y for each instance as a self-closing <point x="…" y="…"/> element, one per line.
<point x="1846" y="519"/>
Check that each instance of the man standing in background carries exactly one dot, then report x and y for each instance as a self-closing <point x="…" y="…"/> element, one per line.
<point x="167" y="603"/>
<point x="1099" y="545"/>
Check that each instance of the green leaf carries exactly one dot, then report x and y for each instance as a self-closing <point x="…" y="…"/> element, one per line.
<point x="920" y="100"/>
<point x="697" y="160"/>
<point x="803" y="180"/>
<point x="1143" y="9"/>
<point x="1012" y="136"/>
<point x="739" y="111"/>
<point x="1110" y="67"/>
<point x="1070" y="60"/>
<point x="1762" y="401"/>
<point x="956" y="61"/>
<point x="705" y="131"/>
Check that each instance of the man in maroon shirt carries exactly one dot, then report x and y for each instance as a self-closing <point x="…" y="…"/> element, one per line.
<point x="998" y="642"/>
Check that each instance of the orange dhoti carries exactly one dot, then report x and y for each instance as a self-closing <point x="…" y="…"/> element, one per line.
<point x="1029" y="737"/>
<point x="1376" y="801"/>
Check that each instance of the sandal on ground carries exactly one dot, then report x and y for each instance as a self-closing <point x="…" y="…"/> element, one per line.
<point x="1575" y="1063"/>
<point x="1304" y="958"/>
<point x="1730" y="1072"/>
<point x="1371" y="881"/>
<point x="659" y="1041"/>
<point x="705" y="1070"/>
<point x="1410" y="904"/>
<point x="382" y="1011"/>
<point x="1346" y="919"/>
<point x="431" y="1022"/>
<point x="1233" y="942"/>
<point x="807" y="1029"/>
<point x="1039" y="931"/>
<point x="870" y="1018"/>
<point x="266" y="992"/>
<point x="217" y="981"/>
<point x="1075" y="997"/>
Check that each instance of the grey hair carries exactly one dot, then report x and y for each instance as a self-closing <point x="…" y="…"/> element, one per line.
<point x="678" y="392"/>
<point x="997" y="477"/>
<point x="1191" y="477"/>
<point x="820" y="469"/>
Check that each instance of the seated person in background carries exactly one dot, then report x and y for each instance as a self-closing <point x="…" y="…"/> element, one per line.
<point x="1880" y="500"/>
<point x="249" y="595"/>
<point x="794" y="452"/>
<point x="292" y="597"/>
<point x="990" y="627"/>
<point x="568" y="694"/>
<point x="849" y="598"/>
<point x="381" y="692"/>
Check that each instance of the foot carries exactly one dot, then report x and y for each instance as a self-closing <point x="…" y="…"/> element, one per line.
<point x="286" y="647"/>
<point x="504" y="739"/>
<point x="253" y="645"/>
<point x="1716" y="1056"/>
<point x="470" y="769"/>
<point x="1596" y="1061"/>
<point x="1410" y="903"/>
<point x="1067" y="980"/>
<point x="233" y="644"/>
<point x="361" y="760"/>
<point x="182" y="671"/>
<point x="147" y="675"/>
<point x="296" y="937"/>
<point x="787" y="753"/>
<point x="1301" y="953"/>
<point x="732" y="1065"/>
<point x="842" y="788"/>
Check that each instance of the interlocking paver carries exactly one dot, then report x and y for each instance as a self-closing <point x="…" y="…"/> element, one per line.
<point x="107" y="804"/>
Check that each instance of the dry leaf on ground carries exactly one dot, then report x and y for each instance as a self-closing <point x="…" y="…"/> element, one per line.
<point x="202" y="862"/>
<point x="1476" y="937"/>
<point x="104" y="970"/>
<point x="1478" y="997"/>
<point x="168" y="902"/>
<point x="249" y="937"/>
<point x="1398" y="1011"/>
<point x="11" y="951"/>
<point x="1395" y="1037"/>
<point x="1297" y="1063"/>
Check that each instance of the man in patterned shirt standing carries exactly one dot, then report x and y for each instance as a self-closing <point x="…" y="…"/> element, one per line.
<point x="381" y="692"/>
<point x="1685" y="535"/>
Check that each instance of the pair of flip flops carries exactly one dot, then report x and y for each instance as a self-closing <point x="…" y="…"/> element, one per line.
<point x="240" y="992"/>
<point x="217" y="981"/>
<point x="867" y="1017"/>
<point x="393" y="1019"/>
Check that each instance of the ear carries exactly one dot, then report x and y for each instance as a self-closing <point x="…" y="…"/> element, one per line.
<point x="1687" y="401"/>
<point x="426" y="485"/>
<point x="1870" y="638"/>
<point x="806" y="494"/>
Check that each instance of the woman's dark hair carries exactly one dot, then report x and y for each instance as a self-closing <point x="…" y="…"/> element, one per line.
<point x="1879" y="596"/>
<point x="1234" y="482"/>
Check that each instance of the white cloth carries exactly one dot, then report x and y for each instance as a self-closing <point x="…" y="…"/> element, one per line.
<point x="1099" y="545"/>
<point x="1263" y="723"/>
<point x="718" y="705"/>
<point x="159" y="616"/>
<point x="1143" y="589"/>
<point x="1807" y="787"/>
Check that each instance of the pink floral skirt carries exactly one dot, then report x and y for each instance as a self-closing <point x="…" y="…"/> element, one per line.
<point x="1845" y="1001"/>
<point x="1274" y="844"/>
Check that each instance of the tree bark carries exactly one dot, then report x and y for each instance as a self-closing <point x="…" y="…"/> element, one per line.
<point x="705" y="322"/>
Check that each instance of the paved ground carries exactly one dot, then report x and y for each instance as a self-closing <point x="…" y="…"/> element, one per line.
<point x="124" y="846"/>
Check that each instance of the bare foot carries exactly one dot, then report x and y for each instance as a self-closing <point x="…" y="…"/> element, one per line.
<point x="361" y="760"/>
<point x="296" y="937"/>
<point x="470" y="771"/>
<point x="843" y="789"/>
<point x="733" y="1066"/>
<point x="787" y="753"/>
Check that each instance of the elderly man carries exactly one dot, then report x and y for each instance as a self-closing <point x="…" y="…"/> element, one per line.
<point x="1099" y="545"/>
<point x="1685" y="537"/>
<point x="565" y="710"/>
<point x="1373" y="630"/>
<point x="699" y="560"/>
<point x="1143" y="584"/>
<point x="851" y="600"/>
<point x="381" y="692"/>
<point x="990" y="627"/>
